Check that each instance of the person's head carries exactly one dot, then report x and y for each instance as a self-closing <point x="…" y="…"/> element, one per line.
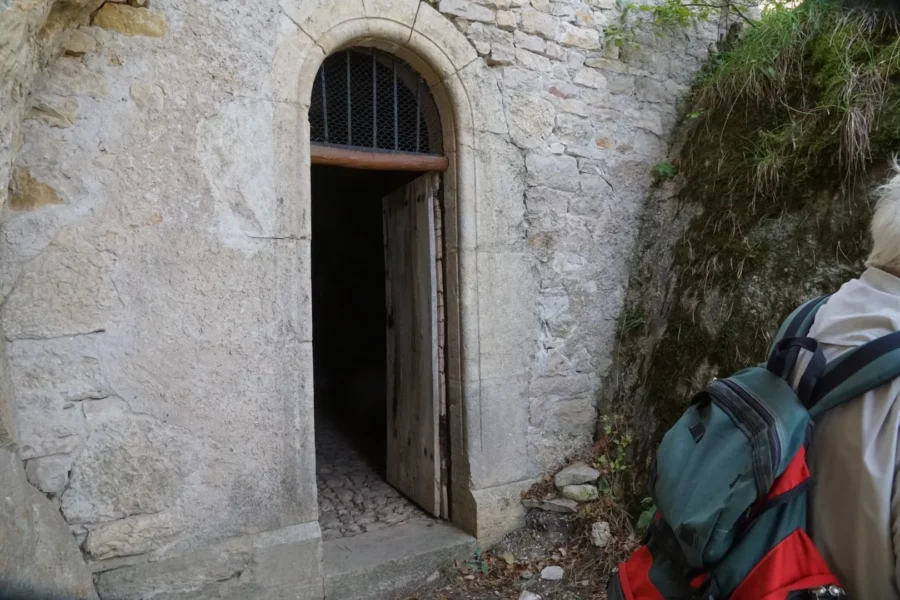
<point x="886" y="227"/>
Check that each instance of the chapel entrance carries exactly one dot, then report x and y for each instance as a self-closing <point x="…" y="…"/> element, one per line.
<point x="377" y="283"/>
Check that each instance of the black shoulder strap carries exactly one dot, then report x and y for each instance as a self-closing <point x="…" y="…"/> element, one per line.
<point x="857" y="372"/>
<point x="797" y="325"/>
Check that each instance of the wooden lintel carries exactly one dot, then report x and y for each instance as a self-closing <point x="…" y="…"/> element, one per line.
<point x="375" y="161"/>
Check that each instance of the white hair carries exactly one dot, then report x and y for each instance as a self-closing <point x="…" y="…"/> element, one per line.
<point x="886" y="226"/>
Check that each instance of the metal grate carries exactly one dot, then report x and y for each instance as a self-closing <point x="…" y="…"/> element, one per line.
<point x="368" y="99"/>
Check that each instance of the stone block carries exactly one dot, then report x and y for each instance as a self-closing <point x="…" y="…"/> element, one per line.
<point x="532" y="61"/>
<point x="591" y="78"/>
<point x="580" y="493"/>
<point x="293" y="50"/>
<point x="499" y="453"/>
<point x="37" y="309"/>
<point x="580" y="37"/>
<point x="265" y="565"/>
<point x="316" y="17"/>
<point x="650" y="90"/>
<point x="555" y="51"/>
<point x="506" y="20"/>
<point x="500" y="180"/>
<point x="540" y="23"/>
<point x="495" y="511"/>
<point x="576" y="474"/>
<point x="508" y="317"/>
<point x="485" y="97"/>
<point x="440" y="31"/>
<point x="606" y="64"/>
<point x="532" y="43"/>
<point x="501" y="54"/>
<point x="553" y="171"/>
<point x="531" y="119"/>
<point x="50" y="474"/>
<point x="466" y="9"/>
<point x="574" y="130"/>
<point x="402" y="11"/>
<point x="131" y="20"/>
<point x="131" y="465"/>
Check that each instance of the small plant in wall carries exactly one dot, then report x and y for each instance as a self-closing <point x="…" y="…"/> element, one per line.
<point x="663" y="171"/>
<point x="664" y="16"/>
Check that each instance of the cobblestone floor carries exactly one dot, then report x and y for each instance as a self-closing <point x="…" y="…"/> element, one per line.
<point x="353" y="497"/>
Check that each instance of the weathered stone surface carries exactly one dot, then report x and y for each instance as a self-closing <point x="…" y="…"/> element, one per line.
<point x="69" y="76"/>
<point x="38" y="552"/>
<point x="36" y="309"/>
<point x="531" y="119"/>
<point x="580" y="493"/>
<point x="600" y="534"/>
<point x="532" y="43"/>
<point x="130" y="20"/>
<point x="29" y="193"/>
<point x="558" y="172"/>
<point x="131" y="536"/>
<point x="130" y="465"/>
<point x="526" y="595"/>
<point x="576" y="474"/>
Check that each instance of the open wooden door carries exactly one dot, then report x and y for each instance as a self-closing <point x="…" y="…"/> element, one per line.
<point x="413" y="395"/>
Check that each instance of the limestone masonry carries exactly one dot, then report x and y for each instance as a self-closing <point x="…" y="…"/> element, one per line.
<point x="155" y="277"/>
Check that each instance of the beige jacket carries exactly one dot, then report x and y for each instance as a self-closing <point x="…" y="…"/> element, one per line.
<point x="854" y="459"/>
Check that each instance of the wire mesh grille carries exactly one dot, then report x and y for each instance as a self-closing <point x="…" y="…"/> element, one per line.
<point x="368" y="99"/>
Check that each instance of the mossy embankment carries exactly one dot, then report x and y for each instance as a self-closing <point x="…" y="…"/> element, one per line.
<point x="785" y="135"/>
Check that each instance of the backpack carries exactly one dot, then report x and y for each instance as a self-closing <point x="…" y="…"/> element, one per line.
<point x="730" y="478"/>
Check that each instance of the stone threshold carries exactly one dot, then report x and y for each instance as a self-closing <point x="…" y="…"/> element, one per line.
<point x="380" y="564"/>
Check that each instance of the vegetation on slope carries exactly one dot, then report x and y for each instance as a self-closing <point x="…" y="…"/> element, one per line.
<point x="786" y="131"/>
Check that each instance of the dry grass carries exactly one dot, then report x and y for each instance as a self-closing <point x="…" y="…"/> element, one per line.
<point x="824" y="75"/>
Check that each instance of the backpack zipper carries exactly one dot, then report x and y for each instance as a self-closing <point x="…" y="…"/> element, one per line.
<point x="766" y="415"/>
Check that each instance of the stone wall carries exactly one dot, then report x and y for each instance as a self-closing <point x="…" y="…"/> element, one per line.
<point x="154" y="264"/>
<point x="587" y="123"/>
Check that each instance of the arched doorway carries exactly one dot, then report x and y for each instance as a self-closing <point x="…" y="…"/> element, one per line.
<point x="378" y="309"/>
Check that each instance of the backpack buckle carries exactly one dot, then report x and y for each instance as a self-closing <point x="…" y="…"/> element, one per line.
<point x="823" y="593"/>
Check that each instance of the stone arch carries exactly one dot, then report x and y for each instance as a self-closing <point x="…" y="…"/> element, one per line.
<point x="427" y="41"/>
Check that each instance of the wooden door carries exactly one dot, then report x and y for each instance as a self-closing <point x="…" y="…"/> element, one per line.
<point x="413" y="455"/>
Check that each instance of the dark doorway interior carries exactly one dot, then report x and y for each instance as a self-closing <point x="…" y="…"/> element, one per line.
<point x="349" y="356"/>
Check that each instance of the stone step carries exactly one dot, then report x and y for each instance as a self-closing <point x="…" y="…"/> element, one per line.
<point x="381" y="564"/>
